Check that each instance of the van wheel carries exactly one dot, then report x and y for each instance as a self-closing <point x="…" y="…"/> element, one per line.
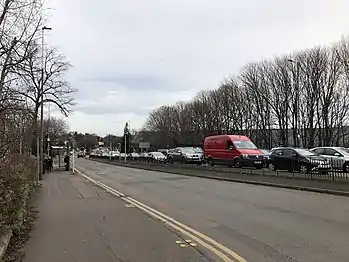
<point x="210" y="162"/>
<point x="237" y="164"/>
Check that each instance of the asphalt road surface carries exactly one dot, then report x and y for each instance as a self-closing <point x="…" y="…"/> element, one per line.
<point x="258" y="223"/>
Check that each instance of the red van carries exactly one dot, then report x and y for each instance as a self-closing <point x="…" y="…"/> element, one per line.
<point x="232" y="150"/>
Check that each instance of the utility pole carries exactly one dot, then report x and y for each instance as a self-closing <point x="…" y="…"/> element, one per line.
<point x="21" y="130"/>
<point x="41" y="167"/>
<point x="125" y="135"/>
<point x="297" y="104"/>
<point x="48" y="131"/>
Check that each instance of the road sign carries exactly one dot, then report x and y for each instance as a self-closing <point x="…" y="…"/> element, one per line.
<point x="144" y="145"/>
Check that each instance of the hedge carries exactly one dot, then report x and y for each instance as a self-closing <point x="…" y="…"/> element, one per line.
<point x="17" y="182"/>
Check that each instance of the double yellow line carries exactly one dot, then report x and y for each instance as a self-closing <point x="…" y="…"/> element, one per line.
<point x="221" y="251"/>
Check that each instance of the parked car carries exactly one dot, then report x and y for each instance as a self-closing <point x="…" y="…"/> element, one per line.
<point x="338" y="156"/>
<point x="156" y="157"/>
<point x="143" y="156"/>
<point x="81" y="154"/>
<point x="266" y="155"/>
<point x="134" y="156"/>
<point x="163" y="151"/>
<point x="114" y="154"/>
<point x="184" y="155"/>
<point x="297" y="159"/>
<point x="201" y="153"/>
<point x="232" y="150"/>
<point x="122" y="155"/>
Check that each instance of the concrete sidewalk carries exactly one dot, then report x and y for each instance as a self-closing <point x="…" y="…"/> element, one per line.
<point x="80" y="222"/>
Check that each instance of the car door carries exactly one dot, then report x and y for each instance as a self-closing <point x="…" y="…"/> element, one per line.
<point x="177" y="155"/>
<point x="290" y="159"/>
<point x="335" y="157"/>
<point x="276" y="158"/>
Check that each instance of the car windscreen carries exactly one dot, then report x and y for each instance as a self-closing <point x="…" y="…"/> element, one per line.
<point x="305" y="152"/>
<point x="265" y="151"/>
<point x="157" y="154"/>
<point x="244" y="144"/>
<point x="188" y="150"/>
<point x="198" y="150"/>
<point x="345" y="150"/>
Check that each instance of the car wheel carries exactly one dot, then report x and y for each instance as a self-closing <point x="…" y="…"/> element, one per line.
<point x="170" y="160"/>
<point x="346" y="167"/>
<point x="237" y="164"/>
<point x="303" y="169"/>
<point x="271" y="167"/>
<point x="210" y="162"/>
<point x="183" y="160"/>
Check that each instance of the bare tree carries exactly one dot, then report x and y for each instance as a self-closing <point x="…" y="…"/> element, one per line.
<point x="302" y="97"/>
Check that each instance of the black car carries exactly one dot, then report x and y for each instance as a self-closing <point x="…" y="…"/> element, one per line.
<point x="266" y="155"/>
<point x="298" y="159"/>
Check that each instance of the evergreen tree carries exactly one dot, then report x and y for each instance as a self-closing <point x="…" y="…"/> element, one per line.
<point x="127" y="135"/>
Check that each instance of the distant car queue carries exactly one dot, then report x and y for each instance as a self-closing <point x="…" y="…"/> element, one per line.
<point x="239" y="151"/>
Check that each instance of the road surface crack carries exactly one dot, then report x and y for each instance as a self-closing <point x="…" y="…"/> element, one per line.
<point x="109" y="248"/>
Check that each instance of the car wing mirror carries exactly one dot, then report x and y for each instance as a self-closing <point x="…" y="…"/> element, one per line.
<point x="231" y="148"/>
<point x="337" y="154"/>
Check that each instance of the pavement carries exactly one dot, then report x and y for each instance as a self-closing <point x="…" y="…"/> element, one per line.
<point x="259" y="223"/>
<point x="78" y="221"/>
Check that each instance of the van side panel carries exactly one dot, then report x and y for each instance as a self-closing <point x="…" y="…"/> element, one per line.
<point x="215" y="147"/>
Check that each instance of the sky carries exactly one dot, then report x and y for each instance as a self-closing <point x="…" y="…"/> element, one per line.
<point x="130" y="57"/>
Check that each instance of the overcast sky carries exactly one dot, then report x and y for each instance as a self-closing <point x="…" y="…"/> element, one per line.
<point x="130" y="57"/>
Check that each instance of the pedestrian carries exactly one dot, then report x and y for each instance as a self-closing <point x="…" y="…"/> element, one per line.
<point x="50" y="163"/>
<point x="66" y="161"/>
<point x="44" y="165"/>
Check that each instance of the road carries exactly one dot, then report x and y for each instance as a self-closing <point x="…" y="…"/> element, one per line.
<point x="258" y="223"/>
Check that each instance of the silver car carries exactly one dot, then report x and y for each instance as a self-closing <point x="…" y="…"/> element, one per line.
<point x="339" y="156"/>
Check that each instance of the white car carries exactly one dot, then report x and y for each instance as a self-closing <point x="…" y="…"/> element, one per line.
<point x="134" y="155"/>
<point x="123" y="155"/>
<point x="156" y="157"/>
<point x="114" y="153"/>
<point x="338" y="156"/>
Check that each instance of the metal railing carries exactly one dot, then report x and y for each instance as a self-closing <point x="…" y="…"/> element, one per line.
<point x="336" y="170"/>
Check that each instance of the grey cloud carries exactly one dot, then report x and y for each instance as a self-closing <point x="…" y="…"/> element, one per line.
<point x="111" y="109"/>
<point x="132" y="81"/>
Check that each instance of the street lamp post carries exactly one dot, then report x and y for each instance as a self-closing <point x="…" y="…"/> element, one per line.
<point x="42" y="103"/>
<point x="48" y="145"/>
<point x="296" y="103"/>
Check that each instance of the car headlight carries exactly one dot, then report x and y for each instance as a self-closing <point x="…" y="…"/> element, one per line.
<point x="245" y="156"/>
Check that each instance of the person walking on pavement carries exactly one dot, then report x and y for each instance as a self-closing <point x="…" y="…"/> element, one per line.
<point x="50" y="163"/>
<point x="66" y="162"/>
